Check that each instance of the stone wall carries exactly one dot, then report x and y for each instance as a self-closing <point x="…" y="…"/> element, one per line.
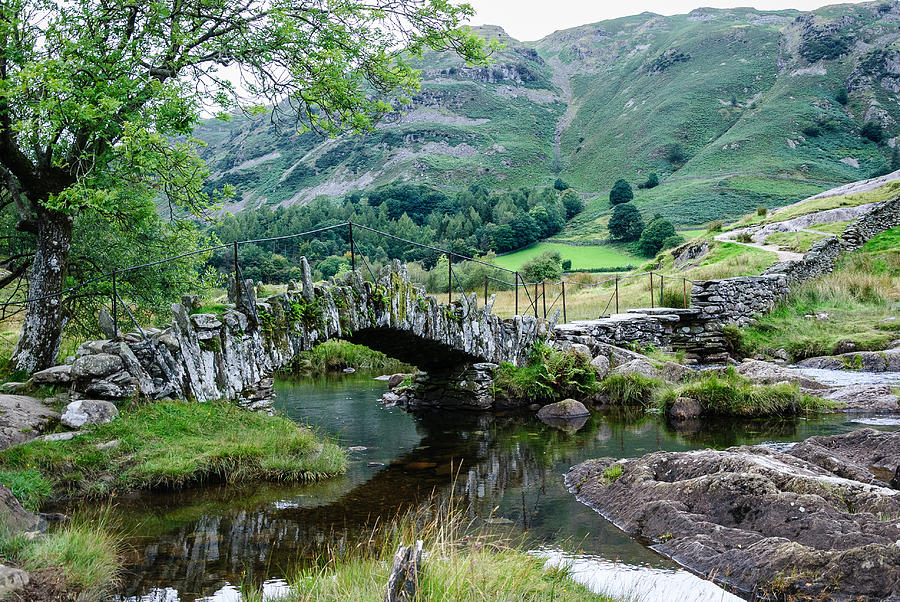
<point x="740" y="300"/>
<point x="230" y="355"/>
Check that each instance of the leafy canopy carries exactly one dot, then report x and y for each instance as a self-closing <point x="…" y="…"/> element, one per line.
<point x="621" y="192"/>
<point x="626" y="222"/>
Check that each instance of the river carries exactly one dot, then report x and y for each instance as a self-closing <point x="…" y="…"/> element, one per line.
<point x="199" y="544"/>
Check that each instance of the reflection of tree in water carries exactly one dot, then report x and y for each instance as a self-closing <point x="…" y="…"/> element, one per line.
<point x="257" y="533"/>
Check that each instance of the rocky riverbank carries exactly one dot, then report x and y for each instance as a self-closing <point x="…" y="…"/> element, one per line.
<point x="817" y="521"/>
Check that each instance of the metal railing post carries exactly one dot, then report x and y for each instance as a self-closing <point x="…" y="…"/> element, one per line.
<point x="449" y="278"/>
<point x="617" y="294"/>
<point x="565" y="320"/>
<point x="662" y="283"/>
<point x="517" y="293"/>
<point x="684" y="286"/>
<point x="485" y="289"/>
<point x="535" y="300"/>
<point x="237" y="277"/>
<point x="651" y="291"/>
<point x="115" y="312"/>
<point x="544" y="297"/>
<point x="352" y="249"/>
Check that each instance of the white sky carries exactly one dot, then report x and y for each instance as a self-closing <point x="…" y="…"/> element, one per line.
<point x="534" y="19"/>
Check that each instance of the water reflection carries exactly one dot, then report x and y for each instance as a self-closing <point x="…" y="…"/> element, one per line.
<point x="197" y="544"/>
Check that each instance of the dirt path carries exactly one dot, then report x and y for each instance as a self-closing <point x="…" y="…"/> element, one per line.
<point x="782" y="255"/>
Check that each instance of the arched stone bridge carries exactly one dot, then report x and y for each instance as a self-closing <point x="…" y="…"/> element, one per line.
<point x="232" y="355"/>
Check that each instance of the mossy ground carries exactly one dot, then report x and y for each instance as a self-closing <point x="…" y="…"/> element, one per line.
<point x="170" y="444"/>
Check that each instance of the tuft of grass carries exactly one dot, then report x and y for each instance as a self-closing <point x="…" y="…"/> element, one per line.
<point x="629" y="389"/>
<point x="336" y="355"/>
<point x="730" y="394"/>
<point x="463" y="562"/>
<point x="611" y="473"/>
<point x="86" y="554"/>
<point x="549" y="375"/>
<point x="172" y="444"/>
<point x="28" y="486"/>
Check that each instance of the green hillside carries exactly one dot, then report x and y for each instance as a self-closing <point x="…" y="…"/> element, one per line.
<point x="732" y="108"/>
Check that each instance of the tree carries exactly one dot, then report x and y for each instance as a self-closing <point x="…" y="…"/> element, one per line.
<point x="842" y="96"/>
<point x="654" y="235"/>
<point x="652" y="181"/>
<point x="566" y="265"/>
<point x="621" y="192"/>
<point x="571" y="200"/>
<point x="676" y="155"/>
<point x="626" y="222"/>
<point x="873" y="131"/>
<point x="560" y="185"/>
<point x="546" y="266"/>
<point x="98" y="101"/>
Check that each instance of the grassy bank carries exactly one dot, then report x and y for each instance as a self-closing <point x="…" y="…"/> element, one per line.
<point x="719" y="394"/>
<point x="853" y="308"/>
<point x="463" y="562"/>
<point x="588" y="257"/>
<point x="335" y="356"/>
<point x="76" y="561"/>
<point x="170" y="444"/>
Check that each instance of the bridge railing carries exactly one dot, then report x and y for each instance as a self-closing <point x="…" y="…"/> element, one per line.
<point x="526" y="298"/>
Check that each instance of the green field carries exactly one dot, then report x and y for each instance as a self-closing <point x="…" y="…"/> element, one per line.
<point x="583" y="258"/>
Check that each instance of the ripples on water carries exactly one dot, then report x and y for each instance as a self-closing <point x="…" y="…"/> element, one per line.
<point x="199" y="544"/>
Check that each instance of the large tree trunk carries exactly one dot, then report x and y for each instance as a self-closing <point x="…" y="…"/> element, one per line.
<point x="41" y="336"/>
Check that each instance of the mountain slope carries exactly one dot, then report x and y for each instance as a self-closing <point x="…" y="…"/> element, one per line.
<point x="732" y="108"/>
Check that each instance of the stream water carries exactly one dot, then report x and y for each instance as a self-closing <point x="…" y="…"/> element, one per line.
<point x="198" y="544"/>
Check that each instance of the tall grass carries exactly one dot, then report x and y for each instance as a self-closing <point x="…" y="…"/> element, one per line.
<point x="549" y="375"/>
<point x="629" y="389"/>
<point x="86" y="554"/>
<point x="463" y="562"/>
<point x="729" y="394"/>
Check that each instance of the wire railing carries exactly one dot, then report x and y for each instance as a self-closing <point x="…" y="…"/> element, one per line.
<point x="534" y="297"/>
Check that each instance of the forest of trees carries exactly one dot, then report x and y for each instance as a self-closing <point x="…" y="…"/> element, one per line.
<point x="471" y="222"/>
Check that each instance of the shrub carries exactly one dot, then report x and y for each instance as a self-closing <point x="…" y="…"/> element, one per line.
<point x="676" y="155"/>
<point x="762" y="211"/>
<point x="652" y="182"/>
<point x="813" y="131"/>
<point x="546" y="266"/>
<point x="626" y="222"/>
<point x="715" y="226"/>
<point x="653" y="236"/>
<point x="560" y="185"/>
<point x="621" y="192"/>
<point x="629" y="389"/>
<point x="672" y="241"/>
<point x="566" y="265"/>
<point x="842" y="96"/>
<point x="572" y="203"/>
<point x="872" y="131"/>
<point x="550" y="375"/>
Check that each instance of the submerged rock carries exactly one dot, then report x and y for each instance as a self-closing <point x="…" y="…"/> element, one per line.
<point x="88" y="411"/>
<point x="765" y="522"/>
<point x="685" y="408"/>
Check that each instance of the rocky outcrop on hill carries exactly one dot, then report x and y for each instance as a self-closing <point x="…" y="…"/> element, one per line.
<point x="816" y="522"/>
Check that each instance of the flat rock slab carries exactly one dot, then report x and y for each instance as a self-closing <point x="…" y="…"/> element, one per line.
<point x="863" y="361"/>
<point x="864" y="398"/>
<point x="88" y="411"/>
<point x="763" y="522"/>
<point x="22" y="419"/>
<point x="766" y="373"/>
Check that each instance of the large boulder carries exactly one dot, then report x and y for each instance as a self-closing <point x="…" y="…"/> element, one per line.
<point x="565" y="409"/>
<point x="685" y="408"/>
<point x="96" y="366"/>
<point x="88" y="411"/>
<point x="863" y="361"/>
<point x="601" y="366"/>
<point x="57" y="375"/>
<point x="637" y="366"/>
<point x="758" y="519"/>
<point x="767" y="373"/>
<point x="22" y="419"/>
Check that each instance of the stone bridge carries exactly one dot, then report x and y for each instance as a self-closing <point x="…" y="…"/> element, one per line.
<point x="233" y="354"/>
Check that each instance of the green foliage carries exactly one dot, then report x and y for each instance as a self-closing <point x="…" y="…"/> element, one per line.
<point x="171" y="444"/>
<point x="729" y="394"/>
<point x="87" y="556"/>
<point x="546" y="266"/>
<point x="621" y="192"/>
<point x="841" y="97"/>
<point x="873" y="131"/>
<point x="822" y="45"/>
<point x="571" y="200"/>
<point x="629" y="389"/>
<point x="334" y="356"/>
<point x="549" y="376"/>
<point x="762" y="211"/>
<point x="676" y="155"/>
<point x="28" y="486"/>
<point x="560" y="185"/>
<point x="654" y="236"/>
<point x="652" y="181"/>
<point x="566" y="265"/>
<point x="611" y="473"/>
<point x="626" y="222"/>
